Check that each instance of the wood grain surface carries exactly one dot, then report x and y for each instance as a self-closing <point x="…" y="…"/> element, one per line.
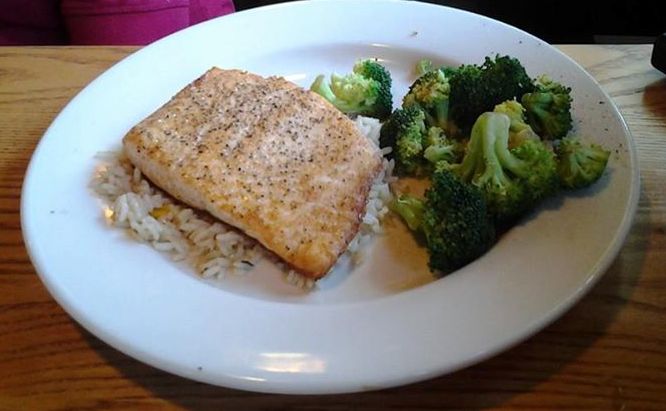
<point x="608" y="352"/>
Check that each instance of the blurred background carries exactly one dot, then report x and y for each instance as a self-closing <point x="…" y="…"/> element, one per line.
<point x="140" y="22"/>
<point x="564" y="21"/>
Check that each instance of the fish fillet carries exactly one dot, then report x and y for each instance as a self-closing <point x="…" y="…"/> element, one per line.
<point x="266" y="156"/>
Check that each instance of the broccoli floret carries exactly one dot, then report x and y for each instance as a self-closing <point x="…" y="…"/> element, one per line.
<point x="454" y="220"/>
<point x="516" y="113"/>
<point x="439" y="148"/>
<point x="579" y="164"/>
<point x="410" y="209"/>
<point x="423" y="66"/>
<point x="365" y="91"/>
<point x="430" y="92"/>
<point x="519" y="130"/>
<point x="416" y="148"/>
<point x="404" y="131"/>
<point x="548" y="108"/>
<point x="512" y="180"/>
<point x="477" y="89"/>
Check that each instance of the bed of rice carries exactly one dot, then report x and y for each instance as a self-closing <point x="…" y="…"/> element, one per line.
<point x="212" y="248"/>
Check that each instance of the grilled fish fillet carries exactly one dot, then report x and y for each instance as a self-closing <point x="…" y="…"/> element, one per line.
<point x="266" y="156"/>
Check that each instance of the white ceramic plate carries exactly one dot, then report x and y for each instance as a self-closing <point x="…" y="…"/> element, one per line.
<point x="383" y="324"/>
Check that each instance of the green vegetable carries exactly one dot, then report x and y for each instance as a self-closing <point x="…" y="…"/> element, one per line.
<point x="519" y="130"/>
<point x="453" y="218"/>
<point x="501" y="163"/>
<point x="438" y="148"/>
<point x="430" y="92"/>
<point x="548" y="108"/>
<point x="416" y="147"/>
<point x="403" y="131"/>
<point x="365" y="91"/>
<point x="410" y="209"/>
<point x="580" y="165"/>
<point x="423" y="66"/>
<point x="512" y="180"/>
<point x="477" y="89"/>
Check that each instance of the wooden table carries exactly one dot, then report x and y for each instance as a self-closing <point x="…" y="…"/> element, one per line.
<point x="608" y="352"/>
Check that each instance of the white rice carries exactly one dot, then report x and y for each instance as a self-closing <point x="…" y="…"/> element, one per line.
<point x="212" y="248"/>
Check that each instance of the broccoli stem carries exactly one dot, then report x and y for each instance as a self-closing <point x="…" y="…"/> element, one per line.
<point x="493" y="169"/>
<point x="410" y="209"/>
<point x="506" y="159"/>
<point x="322" y="88"/>
<point x="468" y="167"/>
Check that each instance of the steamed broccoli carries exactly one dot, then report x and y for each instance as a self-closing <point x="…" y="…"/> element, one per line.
<point x="366" y="91"/>
<point x="410" y="208"/>
<point x="438" y="148"/>
<point x="511" y="180"/>
<point x="430" y="92"/>
<point x="477" y="89"/>
<point x="519" y="130"/>
<point x="548" y="108"/>
<point x="423" y="66"/>
<point x="580" y="165"/>
<point x="403" y="131"/>
<point x="453" y="218"/>
<point x="416" y="147"/>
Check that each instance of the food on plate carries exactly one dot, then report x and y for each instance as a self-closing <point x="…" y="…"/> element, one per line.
<point x="423" y="66"/>
<point x="430" y="93"/>
<point x="512" y="180"/>
<point x="308" y="177"/>
<point x="151" y="216"/>
<point x="548" y="108"/>
<point x="365" y="91"/>
<point x="580" y="164"/>
<point x="453" y="219"/>
<point x="416" y="147"/>
<point x="519" y="129"/>
<point x="263" y="155"/>
<point x="476" y="89"/>
<point x="493" y="129"/>
<point x="213" y="249"/>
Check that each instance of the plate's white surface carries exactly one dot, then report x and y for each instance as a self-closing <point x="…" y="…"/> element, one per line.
<point x="386" y="323"/>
